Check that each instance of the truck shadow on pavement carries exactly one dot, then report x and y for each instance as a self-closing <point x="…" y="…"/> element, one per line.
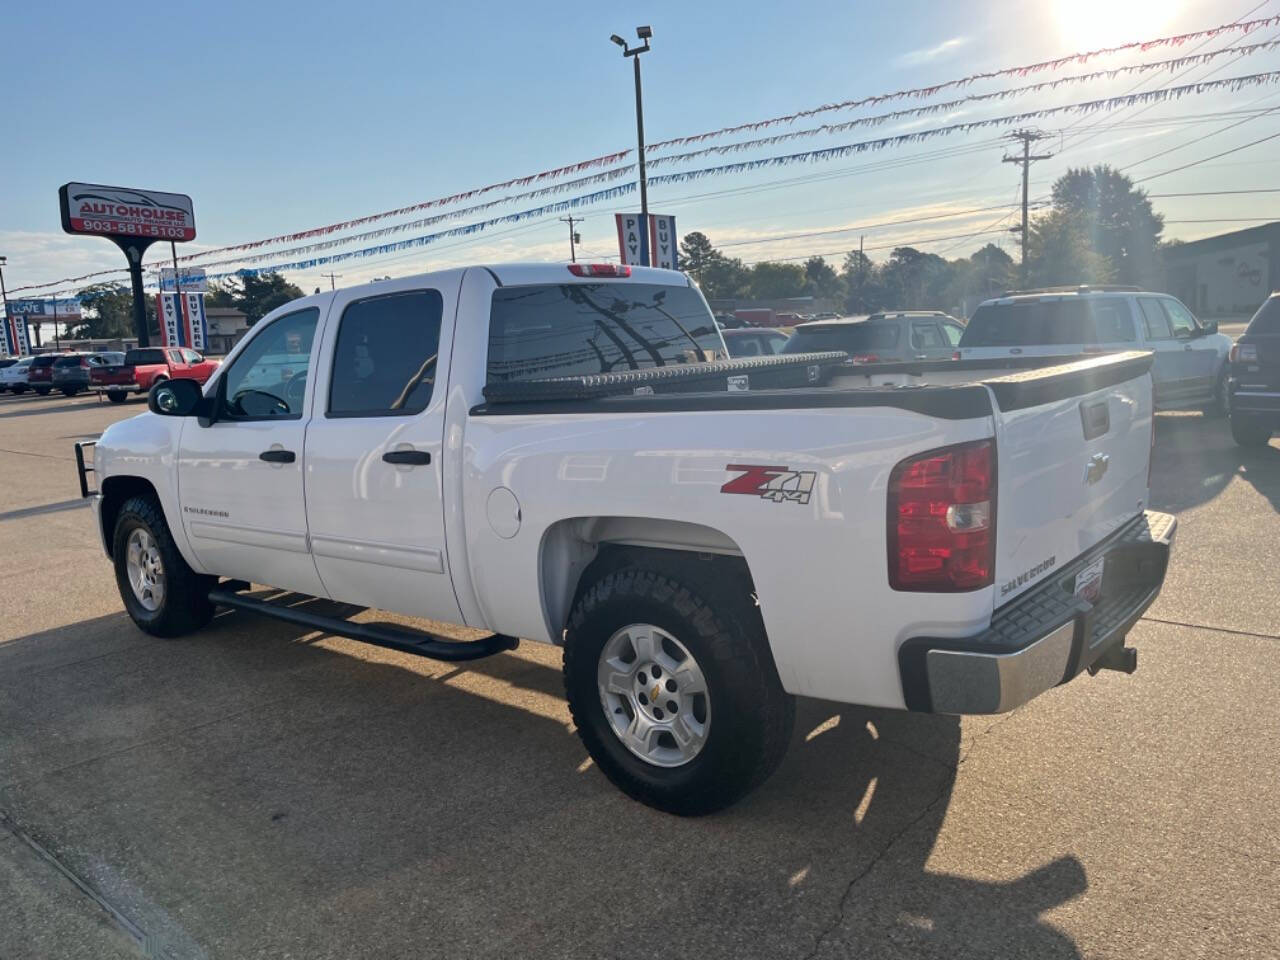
<point x="1195" y="458"/>
<point x="247" y="792"/>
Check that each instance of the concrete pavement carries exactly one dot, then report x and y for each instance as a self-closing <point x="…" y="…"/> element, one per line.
<point x="258" y="791"/>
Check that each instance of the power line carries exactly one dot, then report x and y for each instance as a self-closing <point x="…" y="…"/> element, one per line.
<point x="1196" y="163"/>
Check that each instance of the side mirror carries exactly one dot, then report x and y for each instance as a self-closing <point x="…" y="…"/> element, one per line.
<point x="1209" y="326"/>
<point x="175" y="398"/>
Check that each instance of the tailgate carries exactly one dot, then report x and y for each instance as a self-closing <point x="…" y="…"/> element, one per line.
<point x="111" y="375"/>
<point x="1074" y="444"/>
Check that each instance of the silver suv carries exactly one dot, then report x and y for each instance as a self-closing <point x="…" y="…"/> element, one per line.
<point x="1190" y="368"/>
<point x="882" y="337"/>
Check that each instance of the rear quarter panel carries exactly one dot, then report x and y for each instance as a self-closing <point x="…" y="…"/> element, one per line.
<point x="820" y="568"/>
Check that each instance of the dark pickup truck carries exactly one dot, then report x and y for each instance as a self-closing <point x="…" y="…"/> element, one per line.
<point x="1254" y="379"/>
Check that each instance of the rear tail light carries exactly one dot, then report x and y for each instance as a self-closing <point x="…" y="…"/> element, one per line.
<point x="864" y="358"/>
<point x="1244" y="353"/>
<point x="956" y="355"/>
<point x="942" y="520"/>
<point x="600" y="270"/>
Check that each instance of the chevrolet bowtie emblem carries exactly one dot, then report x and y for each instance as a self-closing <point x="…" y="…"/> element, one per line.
<point x="654" y="693"/>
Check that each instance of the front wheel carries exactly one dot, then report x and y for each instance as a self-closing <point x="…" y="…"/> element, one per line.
<point x="163" y="595"/>
<point x="1221" y="404"/>
<point x="672" y="685"/>
<point x="1250" y="431"/>
<point x="117" y="396"/>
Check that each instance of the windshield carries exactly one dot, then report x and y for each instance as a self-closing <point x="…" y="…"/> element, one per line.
<point x="142" y="357"/>
<point x="849" y="337"/>
<point x="563" y="330"/>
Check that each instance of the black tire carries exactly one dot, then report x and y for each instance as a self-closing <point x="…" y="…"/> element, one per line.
<point x="19" y="388"/>
<point x="1250" y="431"/>
<point x="708" y="606"/>
<point x="117" y="396"/>
<point x="69" y="391"/>
<point x="185" y="606"/>
<point x="44" y="391"/>
<point x="1221" y="404"/>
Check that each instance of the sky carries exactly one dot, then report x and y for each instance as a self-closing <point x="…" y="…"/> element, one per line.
<point x="278" y="117"/>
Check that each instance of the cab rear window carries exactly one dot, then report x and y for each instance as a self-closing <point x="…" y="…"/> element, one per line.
<point x="576" y="329"/>
<point x="1267" y="319"/>
<point x="143" y="357"/>
<point x="849" y="337"/>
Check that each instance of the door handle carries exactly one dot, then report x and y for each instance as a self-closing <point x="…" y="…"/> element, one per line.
<point x="922" y="356"/>
<point x="1187" y="347"/>
<point x="278" y="456"/>
<point x="412" y="458"/>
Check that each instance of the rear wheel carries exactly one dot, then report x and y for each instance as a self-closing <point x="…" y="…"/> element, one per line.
<point x="162" y="594"/>
<point x="1250" y="431"/>
<point x="19" y="388"/>
<point x="70" y="391"/>
<point x="671" y="683"/>
<point x="117" y="396"/>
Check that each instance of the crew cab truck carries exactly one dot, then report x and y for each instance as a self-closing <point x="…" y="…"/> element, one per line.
<point x="560" y="453"/>
<point x="142" y="367"/>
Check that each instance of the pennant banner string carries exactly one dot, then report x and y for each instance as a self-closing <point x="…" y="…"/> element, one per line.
<point x="1243" y="26"/>
<point x="810" y="156"/>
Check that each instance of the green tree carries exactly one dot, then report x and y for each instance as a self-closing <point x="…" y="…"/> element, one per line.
<point x="108" y="312"/>
<point x="821" y="279"/>
<point x="219" y="295"/>
<point x="1060" y="251"/>
<point x="725" y="278"/>
<point x="696" y="253"/>
<point x="775" y="281"/>
<point x="861" y="281"/>
<point x="256" y="295"/>
<point x="1118" y="221"/>
<point x="915" y="280"/>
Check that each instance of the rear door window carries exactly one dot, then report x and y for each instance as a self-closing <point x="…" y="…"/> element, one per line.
<point x="953" y="332"/>
<point x="1154" y="319"/>
<point x="1113" y="320"/>
<point x="384" y="362"/>
<point x="576" y="329"/>
<point x="1030" y="323"/>
<point x="926" y="336"/>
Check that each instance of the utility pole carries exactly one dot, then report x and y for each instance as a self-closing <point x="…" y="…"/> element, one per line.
<point x="644" y="33"/>
<point x="332" y="277"/>
<point x="4" y="294"/>
<point x="574" y="238"/>
<point x="1027" y="137"/>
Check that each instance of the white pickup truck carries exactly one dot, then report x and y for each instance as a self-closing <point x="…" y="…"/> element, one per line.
<point x="562" y="453"/>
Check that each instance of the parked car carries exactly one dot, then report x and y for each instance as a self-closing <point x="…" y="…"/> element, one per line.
<point x="1190" y="355"/>
<point x="13" y="374"/>
<point x="727" y="321"/>
<point x="753" y="343"/>
<point x="1254" y="380"/>
<point x="141" y="367"/>
<point x="71" y="371"/>
<point x="883" y="337"/>
<point x="703" y="549"/>
<point x="40" y="373"/>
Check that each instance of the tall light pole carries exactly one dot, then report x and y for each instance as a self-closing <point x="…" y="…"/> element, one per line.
<point x="644" y="33"/>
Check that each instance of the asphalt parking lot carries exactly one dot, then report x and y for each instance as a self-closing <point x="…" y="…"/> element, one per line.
<point x="258" y="791"/>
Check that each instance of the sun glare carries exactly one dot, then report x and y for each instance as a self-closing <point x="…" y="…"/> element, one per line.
<point x="1090" y="24"/>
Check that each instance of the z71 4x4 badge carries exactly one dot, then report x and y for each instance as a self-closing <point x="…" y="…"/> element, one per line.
<point x="779" y="484"/>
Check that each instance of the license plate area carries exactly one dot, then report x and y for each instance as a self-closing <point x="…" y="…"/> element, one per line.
<point x="1088" y="585"/>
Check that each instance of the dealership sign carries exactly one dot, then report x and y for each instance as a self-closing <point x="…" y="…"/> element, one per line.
<point x="123" y="212"/>
<point x="39" y="309"/>
<point x="647" y="240"/>
<point x="16" y="343"/>
<point x="191" y="279"/>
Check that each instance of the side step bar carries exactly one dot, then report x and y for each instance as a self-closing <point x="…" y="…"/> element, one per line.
<point x="406" y="641"/>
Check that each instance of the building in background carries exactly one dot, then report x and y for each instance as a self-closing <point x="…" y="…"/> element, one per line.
<point x="1230" y="274"/>
<point x="226" y="326"/>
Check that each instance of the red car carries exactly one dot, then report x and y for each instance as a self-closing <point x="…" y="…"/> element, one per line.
<point x="143" y="366"/>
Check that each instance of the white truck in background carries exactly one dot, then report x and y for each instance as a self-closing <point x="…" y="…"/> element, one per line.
<point x="560" y="453"/>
